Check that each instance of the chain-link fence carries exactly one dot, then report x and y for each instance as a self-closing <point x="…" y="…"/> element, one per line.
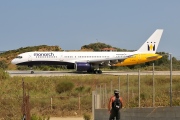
<point x="136" y="91"/>
<point x="61" y="106"/>
<point x="140" y="91"/>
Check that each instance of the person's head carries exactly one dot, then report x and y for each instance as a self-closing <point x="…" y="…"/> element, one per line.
<point x="116" y="92"/>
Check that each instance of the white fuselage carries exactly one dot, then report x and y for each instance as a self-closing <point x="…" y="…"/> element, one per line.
<point x="70" y="57"/>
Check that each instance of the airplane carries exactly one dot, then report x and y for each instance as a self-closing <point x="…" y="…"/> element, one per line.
<point x="148" y="54"/>
<point x="83" y="61"/>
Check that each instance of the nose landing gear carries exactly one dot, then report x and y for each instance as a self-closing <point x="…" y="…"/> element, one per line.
<point x="31" y="69"/>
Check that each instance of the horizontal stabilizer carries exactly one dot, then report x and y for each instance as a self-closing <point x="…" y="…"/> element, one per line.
<point x="154" y="57"/>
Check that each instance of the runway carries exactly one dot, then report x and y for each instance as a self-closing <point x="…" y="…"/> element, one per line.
<point x="72" y="73"/>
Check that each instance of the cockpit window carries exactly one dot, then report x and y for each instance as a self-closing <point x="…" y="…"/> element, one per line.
<point x="19" y="57"/>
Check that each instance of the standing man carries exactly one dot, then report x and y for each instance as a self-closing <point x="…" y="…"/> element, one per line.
<point x="114" y="106"/>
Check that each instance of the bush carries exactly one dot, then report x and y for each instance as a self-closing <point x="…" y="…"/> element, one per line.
<point x="45" y="68"/>
<point x="3" y="65"/>
<point x="35" y="117"/>
<point x="80" y="89"/>
<point x="3" y="74"/>
<point x="53" y="69"/>
<point x="87" y="116"/>
<point x="23" y="68"/>
<point x="64" y="87"/>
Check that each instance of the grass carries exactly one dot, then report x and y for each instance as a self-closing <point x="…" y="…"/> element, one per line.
<point x="68" y="103"/>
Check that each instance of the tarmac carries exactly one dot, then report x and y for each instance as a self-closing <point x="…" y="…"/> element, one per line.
<point x="71" y="73"/>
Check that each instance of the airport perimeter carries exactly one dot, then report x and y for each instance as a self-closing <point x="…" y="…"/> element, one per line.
<point x="135" y="87"/>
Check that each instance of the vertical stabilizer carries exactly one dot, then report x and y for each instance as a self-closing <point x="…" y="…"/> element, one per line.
<point x="151" y="45"/>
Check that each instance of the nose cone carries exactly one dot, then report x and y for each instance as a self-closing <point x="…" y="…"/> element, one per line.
<point x="14" y="61"/>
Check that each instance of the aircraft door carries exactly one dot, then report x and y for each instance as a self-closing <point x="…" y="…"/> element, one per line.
<point x="61" y="57"/>
<point x="29" y="58"/>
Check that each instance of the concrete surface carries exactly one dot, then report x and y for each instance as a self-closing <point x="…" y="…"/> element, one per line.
<point x="71" y="73"/>
<point x="159" y="113"/>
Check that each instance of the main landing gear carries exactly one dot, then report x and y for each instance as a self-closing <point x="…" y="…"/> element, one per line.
<point x="97" y="72"/>
<point x="31" y="69"/>
<point x="94" y="71"/>
<point x="32" y="72"/>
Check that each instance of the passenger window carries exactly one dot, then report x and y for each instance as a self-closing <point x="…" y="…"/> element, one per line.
<point x="19" y="57"/>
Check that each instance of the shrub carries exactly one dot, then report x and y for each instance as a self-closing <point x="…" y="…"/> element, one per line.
<point x="64" y="87"/>
<point x="80" y="89"/>
<point x="35" y="117"/>
<point x="52" y="69"/>
<point x="3" y="65"/>
<point x="23" y="68"/>
<point x="3" y="74"/>
<point x="45" y="68"/>
<point x="87" y="116"/>
<point x="143" y="96"/>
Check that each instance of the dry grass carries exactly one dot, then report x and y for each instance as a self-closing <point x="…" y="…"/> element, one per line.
<point x="42" y="89"/>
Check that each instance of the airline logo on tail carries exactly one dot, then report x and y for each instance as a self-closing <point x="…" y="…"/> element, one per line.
<point x="151" y="46"/>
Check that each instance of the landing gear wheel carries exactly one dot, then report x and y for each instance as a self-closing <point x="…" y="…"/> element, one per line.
<point x="95" y="72"/>
<point x="99" y="71"/>
<point x="31" y="68"/>
<point x="32" y="72"/>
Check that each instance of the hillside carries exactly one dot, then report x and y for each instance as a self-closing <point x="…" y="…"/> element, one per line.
<point x="99" y="46"/>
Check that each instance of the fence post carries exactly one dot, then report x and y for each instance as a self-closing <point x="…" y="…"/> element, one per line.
<point x="119" y="84"/>
<point x="93" y="104"/>
<point x="170" y="55"/>
<point x="153" y="88"/>
<point x="139" y="87"/>
<point x="51" y="103"/>
<point x="128" y="89"/>
<point x="111" y="87"/>
<point x="79" y="103"/>
<point x="100" y="97"/>
<point x="105" y="96"/>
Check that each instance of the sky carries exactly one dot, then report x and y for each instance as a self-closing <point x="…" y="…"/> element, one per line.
<point x="70" y="24"/>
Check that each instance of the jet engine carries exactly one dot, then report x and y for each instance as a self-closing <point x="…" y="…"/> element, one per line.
<point x="82" y="66"/>
<point x="113" y="61"/>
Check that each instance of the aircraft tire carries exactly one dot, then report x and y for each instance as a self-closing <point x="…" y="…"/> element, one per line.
<point x="95" y="72"/>
<point x="32" y="72"/>
<point x="99" y="71"/>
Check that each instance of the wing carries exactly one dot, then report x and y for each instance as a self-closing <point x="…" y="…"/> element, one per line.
<point x="106" y="61"/>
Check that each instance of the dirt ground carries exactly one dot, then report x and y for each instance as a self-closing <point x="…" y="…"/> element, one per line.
<point x="66" y="118"/>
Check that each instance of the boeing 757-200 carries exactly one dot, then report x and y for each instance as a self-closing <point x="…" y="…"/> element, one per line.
<point x="84" y="61"/>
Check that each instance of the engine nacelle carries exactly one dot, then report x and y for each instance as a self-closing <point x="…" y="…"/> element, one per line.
<point x="82" y="66"/>
<point x="103" y="64"/>
<point x="114" y="61"/>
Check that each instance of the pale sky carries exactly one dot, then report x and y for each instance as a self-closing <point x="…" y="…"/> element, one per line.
<point x="71" y="24"/>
